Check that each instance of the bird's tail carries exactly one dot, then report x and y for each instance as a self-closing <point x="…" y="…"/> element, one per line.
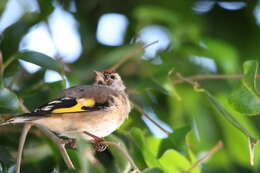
<point x="18" y="119"/>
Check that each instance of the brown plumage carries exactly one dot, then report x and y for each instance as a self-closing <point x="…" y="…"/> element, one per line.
<point x="98" y="109"/>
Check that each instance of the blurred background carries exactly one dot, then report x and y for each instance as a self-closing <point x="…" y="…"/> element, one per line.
<point x="195" y="37"/>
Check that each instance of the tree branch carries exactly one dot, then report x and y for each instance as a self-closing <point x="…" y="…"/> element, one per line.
<point x="124" y="59"/>
<point x="52" y="136"/>
<point x="217" y="147"/>
<point x="148" y="117"/>
<point x="124" y="152"/>
<point x="22" y="139"/>
<point x="1" y="67"/>
<point x="209" y="76"/>
<point x="59" y="142"/>
<point x="187" y="79"/>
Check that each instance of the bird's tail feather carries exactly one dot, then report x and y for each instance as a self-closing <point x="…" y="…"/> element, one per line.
<point x="18" y="119"/>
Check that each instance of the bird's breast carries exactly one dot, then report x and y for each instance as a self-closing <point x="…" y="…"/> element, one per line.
<point x="99" y="123"/>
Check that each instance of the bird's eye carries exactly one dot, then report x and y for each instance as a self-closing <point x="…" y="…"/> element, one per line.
<point x="112" y="77"/>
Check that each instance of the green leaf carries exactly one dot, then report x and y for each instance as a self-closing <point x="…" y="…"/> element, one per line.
<point x="249" y="80"/>
<point x="245" y="102"/>
<point x="3" y="4"/>
<point x="154" y="84"/>
<point x="8" y="101"/>
<point x="46" y="8"/>
<point x="13" y="34"/>
<point x="163" y="82"/>
<point x="191" y="155"/>
<point x="172" y="161"/>
<point x="153" y="144"/>
<point x="5" y="157"/>
<point x="237" y="137"/>
<point x="224" y="54"/>
<point x="175" y="140"/>
<point x="151" y="13"/>
<point x="122" y="164"/>
<point x="172" y="90"/>
<point x="193" y="160"/>
<point x="71" y="171"/>
<point x="39" y="59"/>
<point x="136" y="153"/>
<point x="228" y="116"/>
<point x="138" y="139"/>
<point x="251" y="138"/>
<point x="83" y="150"/>
<point x="152" y="170"/>
<point x="246" y="99"/>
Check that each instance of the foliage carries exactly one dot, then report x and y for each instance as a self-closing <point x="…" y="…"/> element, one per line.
<point x="218" y="42"/>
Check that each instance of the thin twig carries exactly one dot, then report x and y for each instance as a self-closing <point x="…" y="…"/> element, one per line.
<point x="60" y="144"/>
<point x="223" y="111"/>
<point x="98" y="140"/>
<point x="124" y="59"/>
<point x="210" y="76"/>
<point x="148" y="117"/>
<point x="8" y="61"/>
<point x="26" y="128"/>
<point x="22" y="106"/>
<point x="22" y="139"/>
<point x="1" y="66"/>
<point x="124" y="152"/>
<point x="54" y="138"/>
<point x="188" y="80"/>
<point x="217" y="147"/>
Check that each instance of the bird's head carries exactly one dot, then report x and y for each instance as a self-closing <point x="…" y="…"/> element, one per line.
<point x="109" y="78"/>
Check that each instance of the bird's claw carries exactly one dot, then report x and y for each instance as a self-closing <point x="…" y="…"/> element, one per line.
<point x="100" y="147"/>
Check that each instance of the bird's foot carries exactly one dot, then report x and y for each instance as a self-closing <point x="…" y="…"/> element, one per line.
<point x="98" y="145"/>
<point x="71" y="143"/>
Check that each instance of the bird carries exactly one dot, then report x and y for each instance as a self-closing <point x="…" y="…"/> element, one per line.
<point x="91" y="111"/>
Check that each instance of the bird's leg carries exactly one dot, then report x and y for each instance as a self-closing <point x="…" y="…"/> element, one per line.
<point x="99" y="146"/>
<point x="96" y="138"/>
<point x="71" y="143"/>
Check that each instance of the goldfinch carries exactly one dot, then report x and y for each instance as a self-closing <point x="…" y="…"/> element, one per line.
<point x="93" y="111"/>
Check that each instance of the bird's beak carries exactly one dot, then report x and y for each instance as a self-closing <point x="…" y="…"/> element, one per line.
<point x="99" y="75"/>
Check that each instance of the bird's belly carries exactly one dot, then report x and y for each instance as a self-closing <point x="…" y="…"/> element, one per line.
<point x="102" y="129"/>
<point x="100" y="125"/>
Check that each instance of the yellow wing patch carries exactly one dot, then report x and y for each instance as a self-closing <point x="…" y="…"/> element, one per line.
<point x="88" y="102"/>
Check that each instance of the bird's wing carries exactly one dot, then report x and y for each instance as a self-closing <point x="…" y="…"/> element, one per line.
<point x="86" y="99"/>
<point x="91" y="99"/>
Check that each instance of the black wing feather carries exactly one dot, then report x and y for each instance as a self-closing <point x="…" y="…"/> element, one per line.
<point x="64" y="102"/>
